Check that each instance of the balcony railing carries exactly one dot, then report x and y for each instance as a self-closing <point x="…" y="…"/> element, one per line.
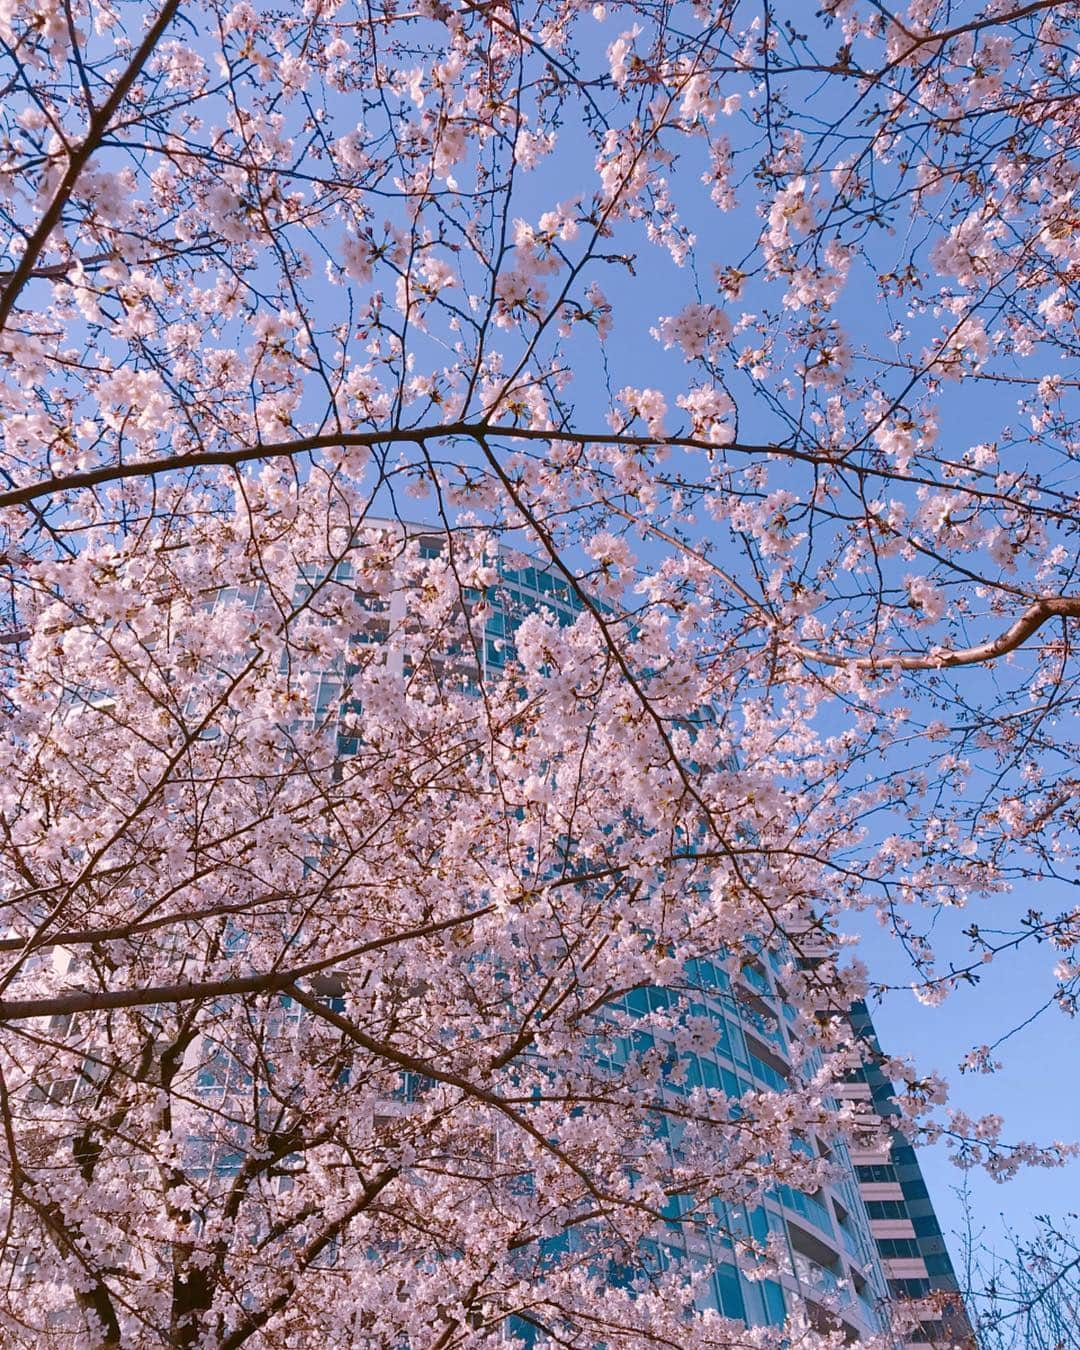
<point x="821" y="1280"/>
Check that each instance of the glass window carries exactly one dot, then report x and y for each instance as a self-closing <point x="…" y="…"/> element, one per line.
<point x="876" y="1172"/>
<point x="710" y="1073"/>
<point x="909" y="1288"/>
<point x="729" y="1292"/>
<point x="886" y="1209"/>
<point x="773" y="1295"/>
<point x="895" y="1249"/>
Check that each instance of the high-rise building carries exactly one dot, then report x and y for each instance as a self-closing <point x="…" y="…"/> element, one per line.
<point x="906" y="1231"/>
<point x="828" y="1264"/>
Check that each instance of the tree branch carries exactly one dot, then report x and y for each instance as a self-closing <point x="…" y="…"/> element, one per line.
<point x="77" y="161"/>
<point x="184" y="991"/>
<point x="476" y="431"/>
<point x="1032" y="619"/>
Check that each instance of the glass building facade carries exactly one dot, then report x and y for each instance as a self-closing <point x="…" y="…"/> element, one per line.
<point x="829" y="1265"/>
<point x="906" y="1231"/>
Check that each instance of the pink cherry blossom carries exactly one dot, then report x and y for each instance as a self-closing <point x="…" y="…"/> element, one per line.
<point x="522" y="532"/>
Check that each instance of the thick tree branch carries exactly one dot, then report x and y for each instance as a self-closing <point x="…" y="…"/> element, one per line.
<point x="1032" y="619"/>
<point x="145" y="468"/>
<point x="269" y="982"/>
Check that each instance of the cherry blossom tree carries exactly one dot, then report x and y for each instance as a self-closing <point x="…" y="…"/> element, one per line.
<point x="753" y="330"/>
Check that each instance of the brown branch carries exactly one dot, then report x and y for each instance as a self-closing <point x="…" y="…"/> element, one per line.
<point x="1037" y="613"/>
<point x="268" y="982"/>
<point x="1032" y="619"/>
<point x="77" y="161"/>
<point x="940" y="37"/>
<point x="83" y="937"/>
<point x="475" y="431"/>
<point x="142" y="468"/>
<point x="53" y="271"/>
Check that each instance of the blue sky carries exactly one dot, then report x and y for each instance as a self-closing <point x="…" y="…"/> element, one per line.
<point x="1036" y="1090"/>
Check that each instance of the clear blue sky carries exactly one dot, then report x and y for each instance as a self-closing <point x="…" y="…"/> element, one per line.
<point x="1037" y="1090"/>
